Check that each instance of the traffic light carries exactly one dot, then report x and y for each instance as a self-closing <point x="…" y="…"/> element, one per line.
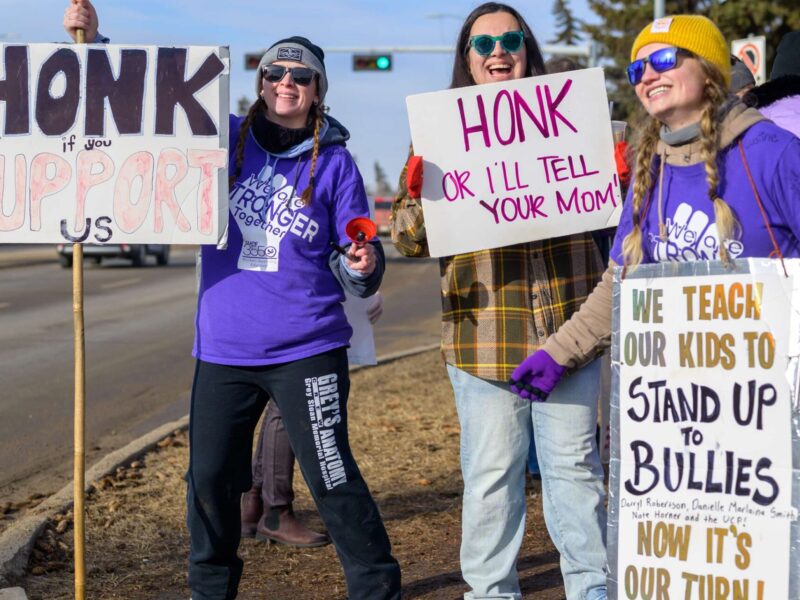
<point x="372" y="62"/>
<point x="251" y="61"/>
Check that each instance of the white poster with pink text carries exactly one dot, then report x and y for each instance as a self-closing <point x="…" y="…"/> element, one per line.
<point x="517" y="161"/>
<point x="113" y="143"/>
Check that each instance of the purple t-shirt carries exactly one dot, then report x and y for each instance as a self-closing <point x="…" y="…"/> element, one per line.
<point x="270" y="296"/>
<point x="773" y="155"/>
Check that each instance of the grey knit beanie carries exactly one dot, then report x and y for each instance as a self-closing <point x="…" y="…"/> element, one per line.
<point x="301" y="50"/>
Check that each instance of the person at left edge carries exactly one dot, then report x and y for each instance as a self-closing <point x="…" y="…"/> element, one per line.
<point x="270" y="324"/>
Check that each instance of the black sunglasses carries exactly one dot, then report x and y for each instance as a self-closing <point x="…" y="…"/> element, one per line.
<point x="300" y="75"/>
<point x="661" y="60"/>
<point x="510" y="41"/>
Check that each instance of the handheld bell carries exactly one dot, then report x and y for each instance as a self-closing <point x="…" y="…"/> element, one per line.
<point x="360" y="230"/>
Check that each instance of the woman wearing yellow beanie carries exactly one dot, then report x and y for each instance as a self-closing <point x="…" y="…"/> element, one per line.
<point x="713" y="180"/>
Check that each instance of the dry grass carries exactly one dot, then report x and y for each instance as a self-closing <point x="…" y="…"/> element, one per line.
<point x="405" y="435"/>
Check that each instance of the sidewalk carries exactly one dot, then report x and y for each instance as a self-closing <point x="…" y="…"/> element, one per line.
<point x="405" y="435"/>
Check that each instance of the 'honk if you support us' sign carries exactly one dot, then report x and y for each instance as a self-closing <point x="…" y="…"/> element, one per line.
<point x="108" y="143"/>
<point x="516" y="161"/>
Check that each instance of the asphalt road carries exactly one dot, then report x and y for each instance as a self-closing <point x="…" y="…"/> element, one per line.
<point x="138" y="329"/>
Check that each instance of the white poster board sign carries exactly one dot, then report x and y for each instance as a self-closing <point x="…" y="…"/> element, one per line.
<point x="702" y="465"/>
<point x="753" y="52"/>
<point x="362" y="343"/>
<point x="113" y="144"/>
<point x="514" y="162"/>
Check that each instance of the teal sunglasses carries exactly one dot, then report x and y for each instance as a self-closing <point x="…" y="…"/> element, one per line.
<point x="510" y="41"/>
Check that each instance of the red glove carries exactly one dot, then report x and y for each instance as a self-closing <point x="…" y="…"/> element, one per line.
<point x="414" y="177"/>
<point x="623" y="171"/>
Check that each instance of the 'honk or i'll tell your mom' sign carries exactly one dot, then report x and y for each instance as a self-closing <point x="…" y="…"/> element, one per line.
<point x="514" y="162"/>
<point x="113" y="143"/>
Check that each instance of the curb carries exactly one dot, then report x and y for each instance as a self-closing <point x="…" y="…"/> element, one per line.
<point x="17" y="541"/>
<point x="33" y="256"/>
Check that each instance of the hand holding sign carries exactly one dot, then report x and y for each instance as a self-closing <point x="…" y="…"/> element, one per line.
<point x="80" y="14"/>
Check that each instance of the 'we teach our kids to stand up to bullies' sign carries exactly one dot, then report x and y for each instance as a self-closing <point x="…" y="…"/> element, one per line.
<point x="705" y="463"/>
<point x="516" y="161"/>
<point x="110" y="143"/>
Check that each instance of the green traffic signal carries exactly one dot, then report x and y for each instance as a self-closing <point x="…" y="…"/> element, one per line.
<point x="372" y="62"/>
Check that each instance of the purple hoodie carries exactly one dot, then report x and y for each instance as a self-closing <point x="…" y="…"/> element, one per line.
<point x="773" y="155"/>
<point x="270" y="296"/>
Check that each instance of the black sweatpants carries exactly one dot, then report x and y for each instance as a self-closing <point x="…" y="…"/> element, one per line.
<point x="312" y="396"/>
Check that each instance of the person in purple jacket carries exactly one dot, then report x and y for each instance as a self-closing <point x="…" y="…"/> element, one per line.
<point x="714" y="180"/>
<point x="779" y="98"/>
<point x="270" y="326"/>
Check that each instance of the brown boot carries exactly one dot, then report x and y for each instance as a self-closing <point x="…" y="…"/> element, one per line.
<point x="278" y="524"/>
<point x="252" y="507"/>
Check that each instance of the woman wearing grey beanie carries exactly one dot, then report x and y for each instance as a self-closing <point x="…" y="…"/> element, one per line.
<point x="270" y="325"/>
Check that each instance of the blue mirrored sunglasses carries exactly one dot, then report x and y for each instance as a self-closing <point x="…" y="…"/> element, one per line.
<point x="510" y="41"/>
<point x="661" y="60"/>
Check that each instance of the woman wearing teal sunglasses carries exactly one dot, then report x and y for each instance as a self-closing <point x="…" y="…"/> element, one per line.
<point x="498" y="305"/>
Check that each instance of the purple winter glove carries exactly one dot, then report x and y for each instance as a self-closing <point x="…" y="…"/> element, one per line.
<point x="536" y="376"/>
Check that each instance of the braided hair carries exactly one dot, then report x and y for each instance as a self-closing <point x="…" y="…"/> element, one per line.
<point x="715" y="93"/>
<point x="258" y="105"/>
<point x="315" y="113"/>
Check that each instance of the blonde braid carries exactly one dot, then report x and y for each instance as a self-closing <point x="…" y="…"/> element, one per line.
<point x="632" y="244"/>
<point x="715" y="93"/>
<point x="306" y="196"/>
<point x="243" y="129"/>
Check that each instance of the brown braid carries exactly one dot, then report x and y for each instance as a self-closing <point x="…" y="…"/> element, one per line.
<point x="715" y="93"/>
<point x="632" y="244"/>
<point x="306" y="195"/>
<point x="243" y="129"/>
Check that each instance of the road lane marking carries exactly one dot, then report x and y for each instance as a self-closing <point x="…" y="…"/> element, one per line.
<point x="121" y="283"/>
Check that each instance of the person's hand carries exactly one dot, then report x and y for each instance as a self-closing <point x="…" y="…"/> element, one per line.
<point x="375" y="308"/>
<point x="536" y="377"/>
<point x="80" y="14"/>
<point x="414" y="177"/>
<point x="620" y="157"/>
<point x="361" y="259"/>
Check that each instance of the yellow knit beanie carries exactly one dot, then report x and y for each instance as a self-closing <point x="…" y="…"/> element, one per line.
<point x="694" y="33"/>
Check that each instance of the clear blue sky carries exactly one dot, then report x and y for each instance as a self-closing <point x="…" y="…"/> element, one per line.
<point x="371" y="105"/>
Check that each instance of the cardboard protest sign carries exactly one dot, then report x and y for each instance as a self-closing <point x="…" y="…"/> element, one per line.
<point x="113" y="143"/>
<point x="514" y="162"/>
<point x="704" y="422"/>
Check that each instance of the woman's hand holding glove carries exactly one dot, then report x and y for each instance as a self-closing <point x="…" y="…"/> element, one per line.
<point x="536" y="377"/>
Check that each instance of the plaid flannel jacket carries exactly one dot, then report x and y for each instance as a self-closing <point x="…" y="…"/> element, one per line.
<point x="500" y="305"/>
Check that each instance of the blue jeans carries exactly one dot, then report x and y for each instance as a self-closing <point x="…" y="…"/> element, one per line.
<point x="496" y="428"/>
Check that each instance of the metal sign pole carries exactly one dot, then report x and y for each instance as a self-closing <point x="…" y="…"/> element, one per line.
<point x="80" y="412"/>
